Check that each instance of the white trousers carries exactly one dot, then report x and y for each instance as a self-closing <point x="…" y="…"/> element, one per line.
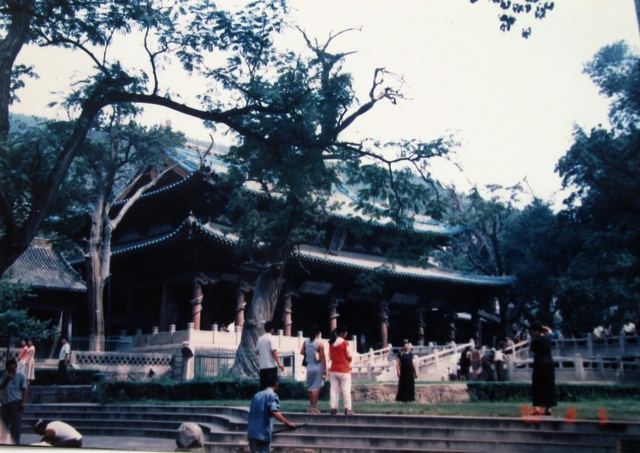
<point x="340" y="382"/>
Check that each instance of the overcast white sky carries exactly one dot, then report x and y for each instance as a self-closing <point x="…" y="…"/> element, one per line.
<point x="511" y="102"/>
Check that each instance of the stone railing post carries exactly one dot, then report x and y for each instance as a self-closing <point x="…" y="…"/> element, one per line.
<point x="600" y="366"/>
<point x="621" y="369"/>
<point x="510" y="367"/>
<point x="590" y="345"/>
<point x="190" y="329"/>
<point x="579" y="367"/>
<point x="622" y="339"/>
<point x="280" y="333"/>
<point x="214" y="332"/>
<point x="188" y="361"/>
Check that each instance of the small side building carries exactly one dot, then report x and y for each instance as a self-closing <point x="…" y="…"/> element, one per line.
<point x="58" y="292"/>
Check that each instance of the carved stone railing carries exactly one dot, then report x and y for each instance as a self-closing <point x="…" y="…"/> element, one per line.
<point x="614" y="346"/>
<point x="579" y="369"/>
<point x="173" y="340"/>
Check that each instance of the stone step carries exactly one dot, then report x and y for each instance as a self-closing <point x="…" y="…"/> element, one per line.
<point x="227" y="426"/>
<point x="232" y="417"/>
<point x="222" y="429"/>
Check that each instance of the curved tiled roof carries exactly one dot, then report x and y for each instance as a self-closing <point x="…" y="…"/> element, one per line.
<point x="369" y="263"/>
<point x="215" y="234"/>
<point x="187" y="159"/>
<point x="41" y="268"/>
<point x="190" y="228"/>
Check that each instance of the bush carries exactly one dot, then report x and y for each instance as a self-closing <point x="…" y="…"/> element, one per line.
<point x="49" y="376"/>
<point x="224" y="389"/>
<point x="519" y="391"/>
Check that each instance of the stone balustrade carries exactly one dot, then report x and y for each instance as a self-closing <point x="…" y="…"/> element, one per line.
<point x="580" y="369"/>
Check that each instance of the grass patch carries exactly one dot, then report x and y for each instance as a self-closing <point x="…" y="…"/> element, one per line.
<point x="612" y="409"/>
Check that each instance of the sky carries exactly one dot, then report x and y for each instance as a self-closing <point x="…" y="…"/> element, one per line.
<point x="511" y="103"/>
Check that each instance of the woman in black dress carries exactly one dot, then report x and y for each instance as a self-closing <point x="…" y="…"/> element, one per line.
<point x="407" y="374"/>
<point x="543" y="383"/>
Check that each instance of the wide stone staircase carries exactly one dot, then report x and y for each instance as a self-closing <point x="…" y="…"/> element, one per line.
<point x="225" y="430"/>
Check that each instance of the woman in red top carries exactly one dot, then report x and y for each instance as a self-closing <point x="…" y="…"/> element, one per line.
<point x="340" y="377"/>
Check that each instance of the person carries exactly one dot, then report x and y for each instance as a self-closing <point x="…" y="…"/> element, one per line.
<point x="14" y="398"/>
<point x="30" y="365"/>
<point x="476" y="359"/>
<point x="465" y="363"/>
<point x="340" y="377"/>
<point x="268" y="359"/>
<point x="58" y="434"/>
<point x="488" y="373"/>
<point x="629" y="328"/>
<point x="498" y="361"/>
<point x="22" y="357"/>
<point x="598" y="332"/>
<point x="63" y="361"/>
<point x="313" y="350"/>
<point x="265" y="406"/>
<point x="607" y="330"/>
<point x="407" y="374"/>
<point x="543" y="386"/>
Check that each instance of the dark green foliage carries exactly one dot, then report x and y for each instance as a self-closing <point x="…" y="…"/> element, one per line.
<point x="49" y="376"/>
<point x="237" y="389"/>
<point x="15" y="321"/>
<point x="521" y="391"/>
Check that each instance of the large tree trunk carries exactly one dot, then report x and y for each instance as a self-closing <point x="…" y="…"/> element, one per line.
<point x="16" y="36"/>
<point x="98" y="262"/>
<point x="260" y="310"/>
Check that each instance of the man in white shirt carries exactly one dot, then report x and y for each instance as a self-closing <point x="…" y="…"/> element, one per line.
<point x="63" y="361"/>
<point x="58" y="434"/>
<point x="268" y="359"/>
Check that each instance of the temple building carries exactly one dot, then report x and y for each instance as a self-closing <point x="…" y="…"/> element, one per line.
<point x="58" y="293"/>
<point x="173" y="263"/>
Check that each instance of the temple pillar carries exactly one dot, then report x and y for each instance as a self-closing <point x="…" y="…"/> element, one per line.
<point x="451" y="327"/>
<point x="421" y="326"/>
<point x="384" y="323"/>
<point x="240" y="305"/>
<point x="286" y="314"/>
<point x="477" y="331"/>
<point x="333" y="313"/>
<point x="196" y="305"/>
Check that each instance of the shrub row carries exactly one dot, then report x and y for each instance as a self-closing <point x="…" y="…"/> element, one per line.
<point x="518" y="391"/>
<point x="48" y="376"/>
<point x="166" y="390"/>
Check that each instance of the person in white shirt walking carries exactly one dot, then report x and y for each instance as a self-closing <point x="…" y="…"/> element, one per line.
<point x="268" y="359"/>
<point x="63" y="361"/>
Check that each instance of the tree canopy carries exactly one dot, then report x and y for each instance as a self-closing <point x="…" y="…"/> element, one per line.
<point x="287" y="110"/>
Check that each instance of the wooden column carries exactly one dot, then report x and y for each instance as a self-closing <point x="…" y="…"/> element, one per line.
<point x="286" y="314"/>
<point x="196" y="305"/>
<point x="240" y="305"/>
<point x="451" y="327"/>
<point x="421" y="326"/>
<point x="333" y="313"/>
<point x="384" y="323"/>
